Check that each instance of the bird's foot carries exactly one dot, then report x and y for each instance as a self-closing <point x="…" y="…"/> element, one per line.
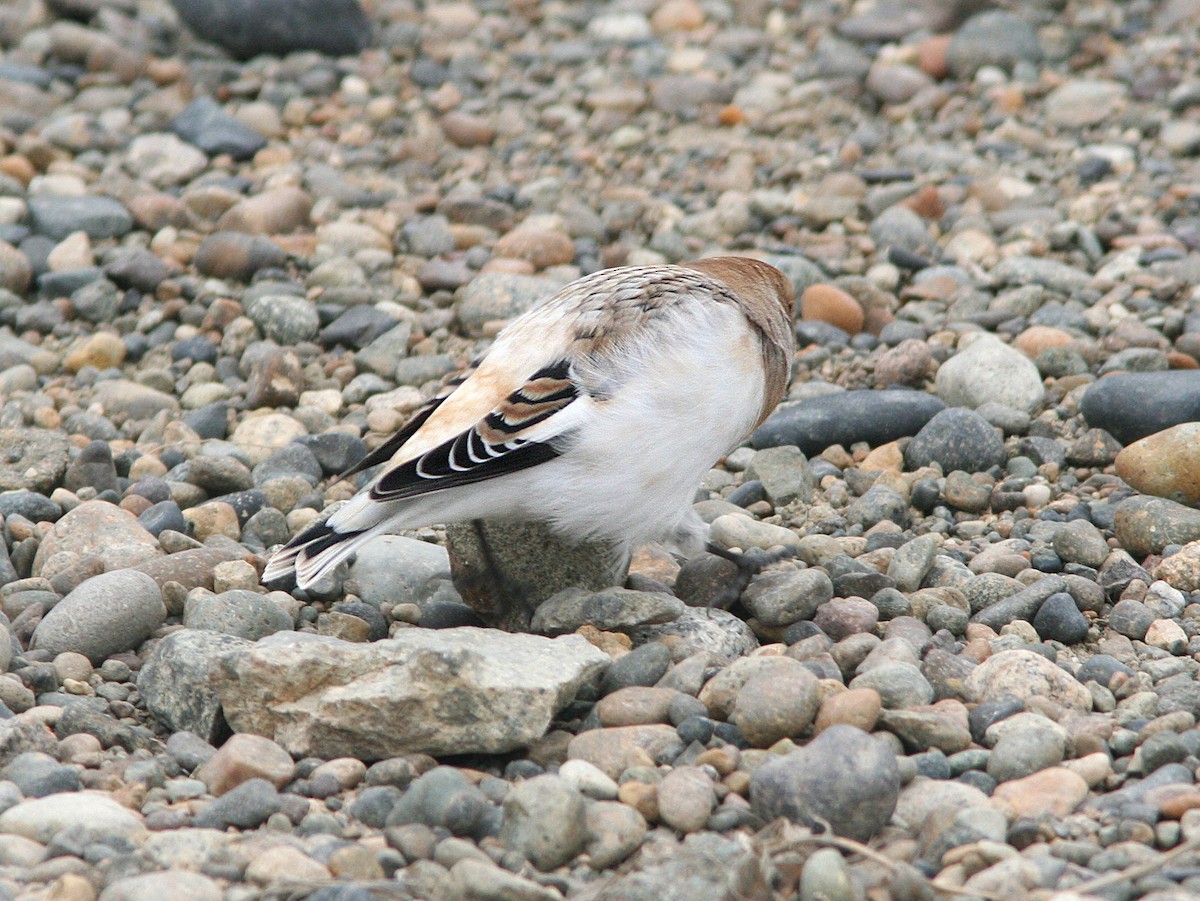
<point x="749" y="565"/>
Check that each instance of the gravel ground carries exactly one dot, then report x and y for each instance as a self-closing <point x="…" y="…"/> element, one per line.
<point x="225" y="277"/>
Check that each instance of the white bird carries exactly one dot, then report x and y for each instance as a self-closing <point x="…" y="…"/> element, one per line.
<point x="598" y="412"/>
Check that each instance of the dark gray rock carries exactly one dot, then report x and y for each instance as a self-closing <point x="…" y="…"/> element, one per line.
<point x="957" y="439"/>
<point x="247" y="28"/>
<point x="875" y="417"/>
<point x="1023" y="604"/>
<point x="57" y="216"/>
<point x="245" y="806"/>
<point x="1138" y="404"/>
<point x="1059" y="619"/>
<point x="246" y="614"/>
<point x="206" y="125"/>
<point x="93" y="468"/>
<point x="175" y="681"/>
<point x="844" y="777"/>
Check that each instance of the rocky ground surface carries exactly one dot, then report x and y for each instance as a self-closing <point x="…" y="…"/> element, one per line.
<point x="222" y="281"/>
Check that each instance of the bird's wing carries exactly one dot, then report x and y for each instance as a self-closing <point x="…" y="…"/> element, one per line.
<point x="388" y="449"/>
<point x="518" y="432"/>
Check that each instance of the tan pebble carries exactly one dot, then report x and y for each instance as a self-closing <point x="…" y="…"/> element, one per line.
<point x="285" y="863"/>
<point x="1165" y="464"/>
<point x="541" y="247"/>
<point x="467" y="130"/>
<point x="723" y="760"/>
<point x="135" y="504"/>
<point x="677" y="15"/>
<point x="926" y="202"/>
<point x="70" y="887"/>
<point x="278" y="211"/>
<point x="855" y="707"/>
<point x="731" y="115"/>
<point x="1167" y="635"/>
<point x="1174" y="804"/>
<point x="355" y="862"/>
<point x="931" y="56"/>
<point x="1179" y="360"/>
<point x="612" y="749"/>
<point x="738" y="782"/>
<point x="245" y="757"/>
<point x="885" y="458"/>
<point x="102" y="350"/>
<point x="1094" y="767"/>
<point x="213" y="518"/>
<point x="18" y="167"/>
<point x="1052" y="792"/>
<point x="72" y="252"/>
<point x="1038" y="338"/>
<point x="829" y="303"/>
<point x="155" y="212"/>
<point x="635" y="705"/>
<point x="686" y="799"/>
<point x="641" y="797"/>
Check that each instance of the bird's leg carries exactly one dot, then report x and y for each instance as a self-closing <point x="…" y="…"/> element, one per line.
<point x="748" y="566"/>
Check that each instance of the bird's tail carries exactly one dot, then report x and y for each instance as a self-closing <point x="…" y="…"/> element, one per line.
<point x="314" y="552"/>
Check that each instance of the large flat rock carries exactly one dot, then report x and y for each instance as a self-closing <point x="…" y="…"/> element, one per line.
<point x="449" y="691"/>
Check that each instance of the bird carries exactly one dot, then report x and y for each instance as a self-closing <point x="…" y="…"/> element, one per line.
<point x="598" y="412"/>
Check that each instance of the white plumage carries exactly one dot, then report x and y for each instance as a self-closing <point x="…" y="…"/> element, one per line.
<point x="598" y="412"/>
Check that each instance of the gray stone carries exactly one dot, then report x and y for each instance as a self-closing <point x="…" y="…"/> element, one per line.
<point x="992" y="38"/>
<point x="530" y="564"/>
<point x="784" y="474"/>
<point x="243" y="613"/>
<point x="175" y="883"/>
<point x="284" y="318"/>
<point x="781" y="598"/>
<point x="544" y="821"/>
<point x="32" y="459"/>
<point x="989" y="371"/>
<point x="610" y="610"/>
<point x="717" y="632"/>
<point x="956" y="438"/>
<point x="97" y="301"/>
<point x="206" y="125"/>
<point x="107" y="614"/>
<point x="42" y="818"/>
<point x="843" y="777"/>
<point x="175" y="681"/>
<point x="392" y="569"/>
<point x="500" y="296"/>
<point x="57" y="216"/>
<point x="899" y="684"/>
<point x="1146" y="525"/>
<point x="450" y="691"/>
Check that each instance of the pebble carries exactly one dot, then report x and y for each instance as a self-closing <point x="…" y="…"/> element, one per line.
<point x="956" y="439"/>
<point x="989" y="371"/>
<point x="245" y="757"/>
<point x="107" y="614"/>
<point x="242" y="613"/>
<point x="1136" y="405"/>
<point x="875" y="417"/>
<point x="843" y="776"/>
<point x="543" y="819"/>
<point x="1164" y="464"/>
<point x="41" y="819"/>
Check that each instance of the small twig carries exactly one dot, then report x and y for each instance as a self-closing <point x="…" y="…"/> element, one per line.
<point x="1136" y="870"/>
